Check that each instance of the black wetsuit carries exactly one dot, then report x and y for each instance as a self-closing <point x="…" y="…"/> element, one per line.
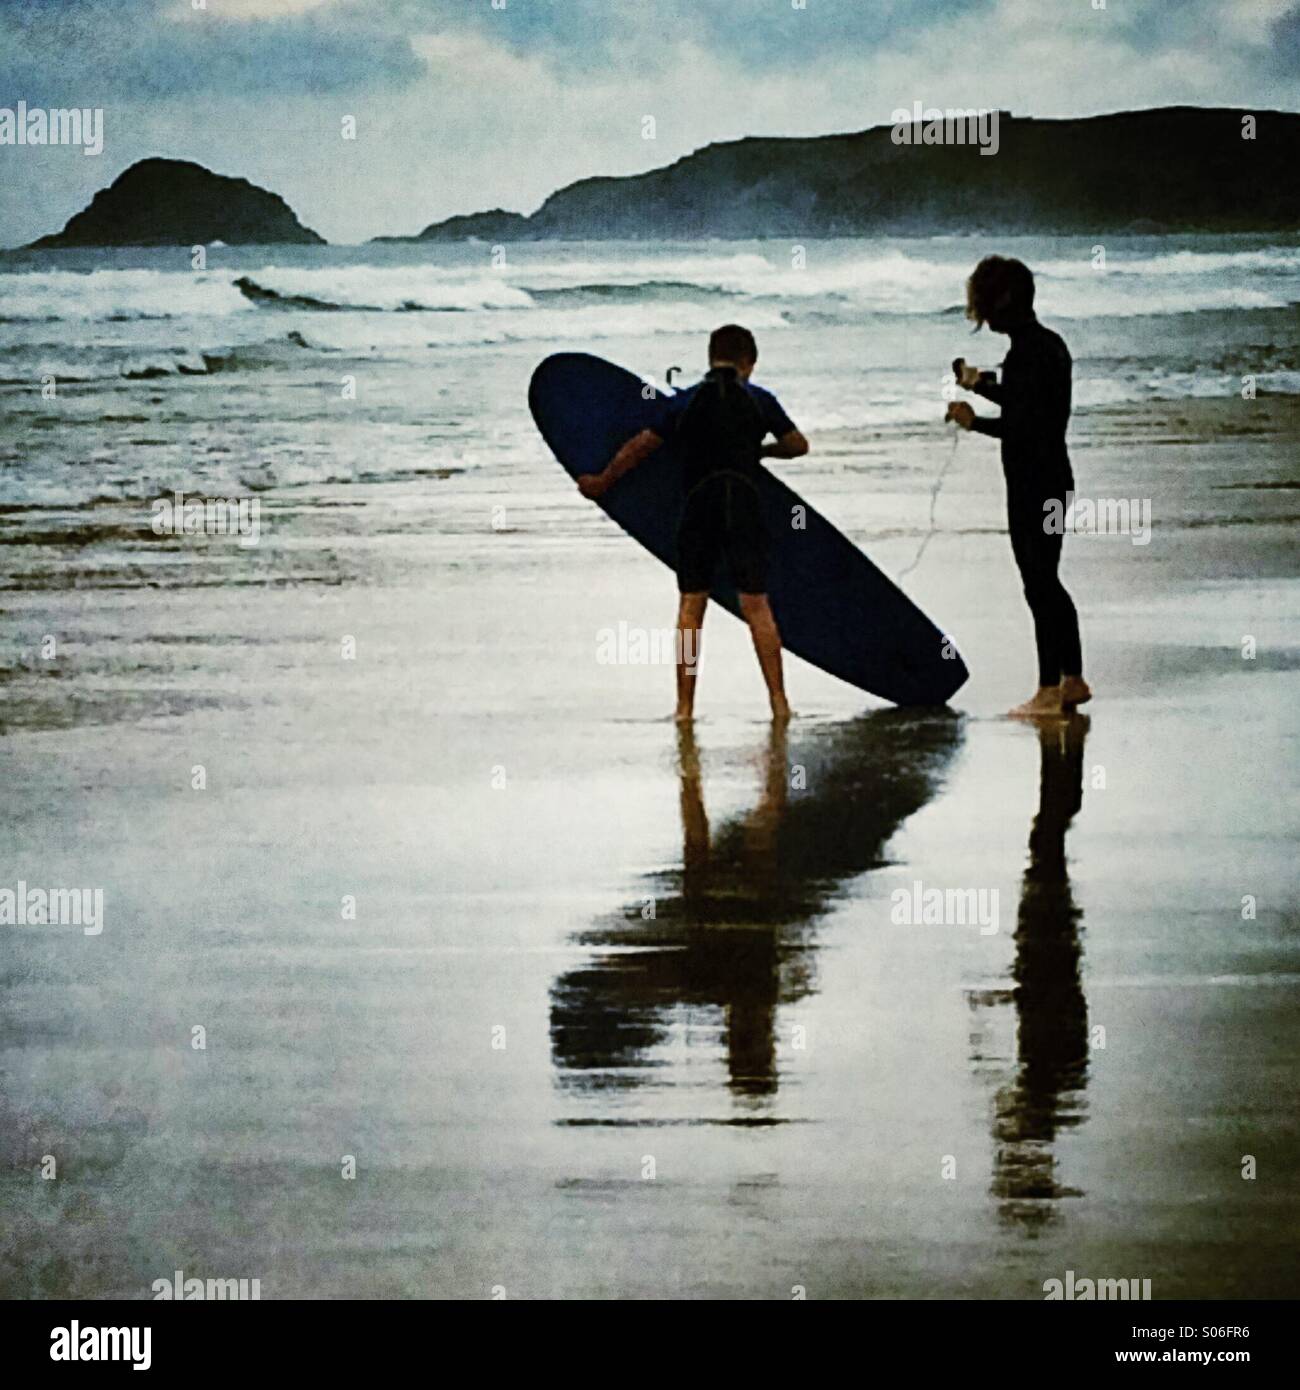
<point x="1034" y="394"/>
<point x="719" y="426"/>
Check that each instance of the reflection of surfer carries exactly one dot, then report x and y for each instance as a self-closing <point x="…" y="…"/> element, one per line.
<point x="1034" y="394"/>
<point x="1052" y="1037"/>
<point x="749" y="984"/>
<point x="731" y="937"/>
<point x="720" y="424"/>
<point x="756" y="866"/>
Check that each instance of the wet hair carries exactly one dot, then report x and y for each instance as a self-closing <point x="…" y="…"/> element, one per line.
<point x="732" y="343"/>
<point x="997" y="279"/>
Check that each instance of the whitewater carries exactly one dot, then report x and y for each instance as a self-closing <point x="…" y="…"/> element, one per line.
<point x="855" y="334"/>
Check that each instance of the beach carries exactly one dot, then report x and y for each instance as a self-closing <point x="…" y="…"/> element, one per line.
<point x="506" y="987"/>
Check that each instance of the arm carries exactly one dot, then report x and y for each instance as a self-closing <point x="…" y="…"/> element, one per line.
<point x="984" y="384"/>
<point x="635" y="451"/>
<point x="791" y="445"/>
<point x="789" y="442"/>
<point x="968" y="420"/>
<point x="1035" y="399"/>
<point x="986" y="424"/>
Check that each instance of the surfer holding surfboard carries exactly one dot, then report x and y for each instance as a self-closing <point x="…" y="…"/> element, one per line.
<point x="1034" y="394"/>
<point x="718" y="427"/>
<point x="801" y="584"/>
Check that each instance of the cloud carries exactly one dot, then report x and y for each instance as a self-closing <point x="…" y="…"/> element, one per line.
<point x="1286" y="41"/>
<point x="758" y="34"/>
<point x="462" y="107"/>
<point x="54" y="51"/>
<point x="91" y="52"/>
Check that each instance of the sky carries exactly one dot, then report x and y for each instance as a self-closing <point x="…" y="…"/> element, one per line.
<point x="463" y="105"/>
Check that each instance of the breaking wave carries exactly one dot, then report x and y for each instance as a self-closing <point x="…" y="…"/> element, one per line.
<point x="818" y="279"/>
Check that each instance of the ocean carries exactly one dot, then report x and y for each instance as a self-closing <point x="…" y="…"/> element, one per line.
<point x="173" y="378"/>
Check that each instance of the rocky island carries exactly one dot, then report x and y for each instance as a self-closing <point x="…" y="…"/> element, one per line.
<point x="173" y="202"/>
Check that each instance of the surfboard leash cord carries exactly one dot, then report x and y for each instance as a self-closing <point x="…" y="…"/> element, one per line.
<point x="935" y="488"/>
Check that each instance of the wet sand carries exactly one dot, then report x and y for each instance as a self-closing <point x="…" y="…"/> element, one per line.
<point x="624" y="1013"/>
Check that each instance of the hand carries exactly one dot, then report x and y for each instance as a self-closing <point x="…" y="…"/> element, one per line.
<point x="593" y="485"/>
<point x="966" y="376"/>
<point x="961" y="413"/>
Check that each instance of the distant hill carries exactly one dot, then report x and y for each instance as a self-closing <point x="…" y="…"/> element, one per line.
<point x="1173" y="169"/>
<point x="494" y="226"/>
<point x="172" y="202"/>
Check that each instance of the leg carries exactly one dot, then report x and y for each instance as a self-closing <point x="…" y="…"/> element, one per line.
<point x="757" y="612"/>
<point x="1056" y="623"/>
<point x="1037" y="555"/>
<point x="747" y="555"/>
<point x="690" y="626"/>
<point x="698" y="544"/>
<point x="1042" y="597"/>
<point x="1074" y="689"/>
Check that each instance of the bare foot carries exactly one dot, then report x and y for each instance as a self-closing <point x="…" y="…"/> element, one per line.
<point x="684" y="714"/>
<point x="1045" y="703"/>
<point x="1075" y="691"/>
<point x="781" y="711"/>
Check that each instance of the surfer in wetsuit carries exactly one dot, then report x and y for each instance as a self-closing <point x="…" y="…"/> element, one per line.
<point x="1034" y="394"/>
<point x="719" y="426"/>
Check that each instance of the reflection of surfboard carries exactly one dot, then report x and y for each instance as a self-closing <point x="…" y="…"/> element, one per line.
<point x="834" y="607"/>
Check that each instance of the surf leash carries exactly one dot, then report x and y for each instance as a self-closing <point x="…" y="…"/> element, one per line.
<point x="935" y="488"/>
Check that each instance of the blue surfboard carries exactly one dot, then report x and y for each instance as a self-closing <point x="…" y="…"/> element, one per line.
<point x="833" y="606"/>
